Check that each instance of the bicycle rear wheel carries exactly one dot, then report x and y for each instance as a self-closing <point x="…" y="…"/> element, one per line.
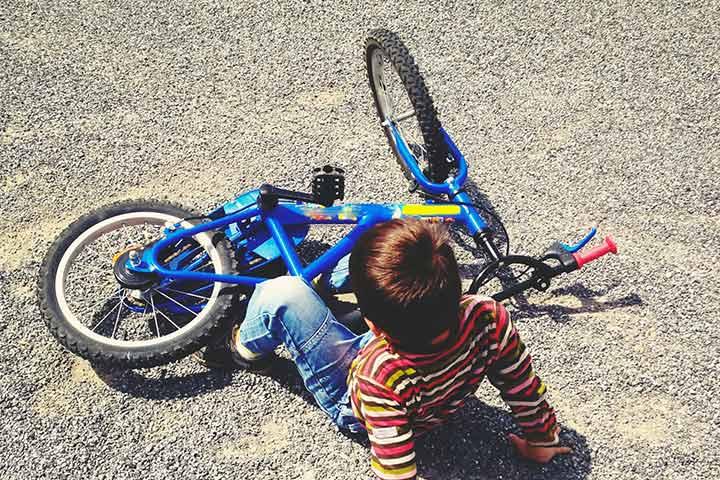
<point x="401" y="97"/>
<point x="156" y="320"/>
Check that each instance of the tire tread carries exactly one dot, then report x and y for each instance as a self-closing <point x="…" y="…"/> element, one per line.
<point x="92" y="351"/>
<point x="409" y="72"/>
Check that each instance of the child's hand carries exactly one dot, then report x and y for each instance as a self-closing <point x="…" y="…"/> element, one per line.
<point x="536" y="454"/>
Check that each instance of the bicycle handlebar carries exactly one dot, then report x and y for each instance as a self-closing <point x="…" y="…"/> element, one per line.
<point x="540" y="279"/>
<point x="608" y="246"/>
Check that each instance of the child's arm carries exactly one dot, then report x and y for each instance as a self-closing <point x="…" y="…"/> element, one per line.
<point x="511" y="372"/>
<point x="392" y="445"/>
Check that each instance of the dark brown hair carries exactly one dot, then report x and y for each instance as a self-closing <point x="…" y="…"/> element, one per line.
<point x="406" y="279"/>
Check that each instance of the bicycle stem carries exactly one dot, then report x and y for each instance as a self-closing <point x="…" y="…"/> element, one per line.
<point x="483" y="240"/>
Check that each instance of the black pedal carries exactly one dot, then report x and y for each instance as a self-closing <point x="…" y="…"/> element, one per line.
<point x="328" y="184"/>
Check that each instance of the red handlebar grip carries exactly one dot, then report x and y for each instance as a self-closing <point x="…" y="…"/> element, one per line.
<point x="608" y="246"/>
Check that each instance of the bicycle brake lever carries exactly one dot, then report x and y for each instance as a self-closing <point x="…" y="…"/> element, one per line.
<point x="581" y="243"/>
<point x="570" y="261"/>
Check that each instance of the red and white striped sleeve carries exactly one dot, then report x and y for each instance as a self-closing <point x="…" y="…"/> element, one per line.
<point x="389" y="430"/>
<point x="511" y="372"/>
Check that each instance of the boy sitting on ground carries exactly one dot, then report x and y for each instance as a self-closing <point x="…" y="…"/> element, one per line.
<point x="427" y="348"/>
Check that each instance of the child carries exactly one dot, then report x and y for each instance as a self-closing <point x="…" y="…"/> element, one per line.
<point x="426" y="351"/>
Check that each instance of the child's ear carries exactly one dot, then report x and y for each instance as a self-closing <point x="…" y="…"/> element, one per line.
<point x="373" y="328"/>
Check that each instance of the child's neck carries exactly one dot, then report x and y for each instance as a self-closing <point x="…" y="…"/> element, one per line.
<point x="436" y="344"/>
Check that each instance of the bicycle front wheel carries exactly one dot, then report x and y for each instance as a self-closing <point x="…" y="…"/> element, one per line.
<point x="401" y="97"/>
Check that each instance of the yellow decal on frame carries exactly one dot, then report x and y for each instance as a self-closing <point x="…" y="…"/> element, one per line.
<point x="430" y="210"/>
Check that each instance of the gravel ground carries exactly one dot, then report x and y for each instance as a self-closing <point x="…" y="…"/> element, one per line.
<point x="569" y="114"/>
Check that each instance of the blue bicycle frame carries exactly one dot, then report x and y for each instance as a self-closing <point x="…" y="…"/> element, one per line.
<point x="287" y="215"/>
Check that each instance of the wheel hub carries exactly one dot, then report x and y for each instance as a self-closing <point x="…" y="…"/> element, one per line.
<point x="129" y="278"/>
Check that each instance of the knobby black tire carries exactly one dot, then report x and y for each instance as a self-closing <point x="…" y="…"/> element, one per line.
<point x="105" y="355"/>
<point x="414" y="84"/>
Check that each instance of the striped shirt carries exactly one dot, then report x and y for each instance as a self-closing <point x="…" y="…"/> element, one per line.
<point x="398" y="395"/>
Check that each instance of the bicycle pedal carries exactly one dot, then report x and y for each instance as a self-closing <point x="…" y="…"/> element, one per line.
<point x="328" y="184"/>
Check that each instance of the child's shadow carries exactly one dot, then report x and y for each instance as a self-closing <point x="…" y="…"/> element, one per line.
<point x="473" y="444"/>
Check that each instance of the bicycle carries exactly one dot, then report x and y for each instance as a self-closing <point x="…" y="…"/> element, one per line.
<point x="166" y="279"/>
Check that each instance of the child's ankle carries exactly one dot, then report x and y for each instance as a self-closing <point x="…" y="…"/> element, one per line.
<point x="244" y="352"/>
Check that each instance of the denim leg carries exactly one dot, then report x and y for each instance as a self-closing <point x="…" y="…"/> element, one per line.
<point x="286" y="310"/>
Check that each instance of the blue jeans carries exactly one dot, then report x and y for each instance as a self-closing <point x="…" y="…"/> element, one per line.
<point x="286" y="310"/>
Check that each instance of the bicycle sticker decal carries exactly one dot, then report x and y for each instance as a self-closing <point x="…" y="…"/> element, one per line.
<point x="430" y="210"/>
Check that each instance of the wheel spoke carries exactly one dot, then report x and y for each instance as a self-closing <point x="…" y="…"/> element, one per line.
<point x="91" y="251"/>
<point x="106" y="316"/>
<point x="186" y="293"/>
<point x="176" y="302"/>
<point x="116" y="292"/>
<point x="204" y="287"/>
<point x="405" y="115"/>
<point x="201" y="267"/>
<point x="168" y="319"/>
<point x="128" y="238"/>
<point x="117" y="318"/>
<point x="154" y="310"/>
<point x="194" y="264"/>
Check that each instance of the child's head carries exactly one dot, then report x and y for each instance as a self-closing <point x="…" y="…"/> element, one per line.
<point x="406" y="279"/>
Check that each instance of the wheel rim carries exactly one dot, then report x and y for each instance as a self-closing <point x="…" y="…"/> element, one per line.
<point x="394" y="102"/>
<point x="119" y="303"/>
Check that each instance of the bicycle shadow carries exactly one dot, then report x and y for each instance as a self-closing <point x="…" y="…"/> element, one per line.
<point x="587" y="297"/>
<point x="163" y="387"/>
<point x="587" y="300"/>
